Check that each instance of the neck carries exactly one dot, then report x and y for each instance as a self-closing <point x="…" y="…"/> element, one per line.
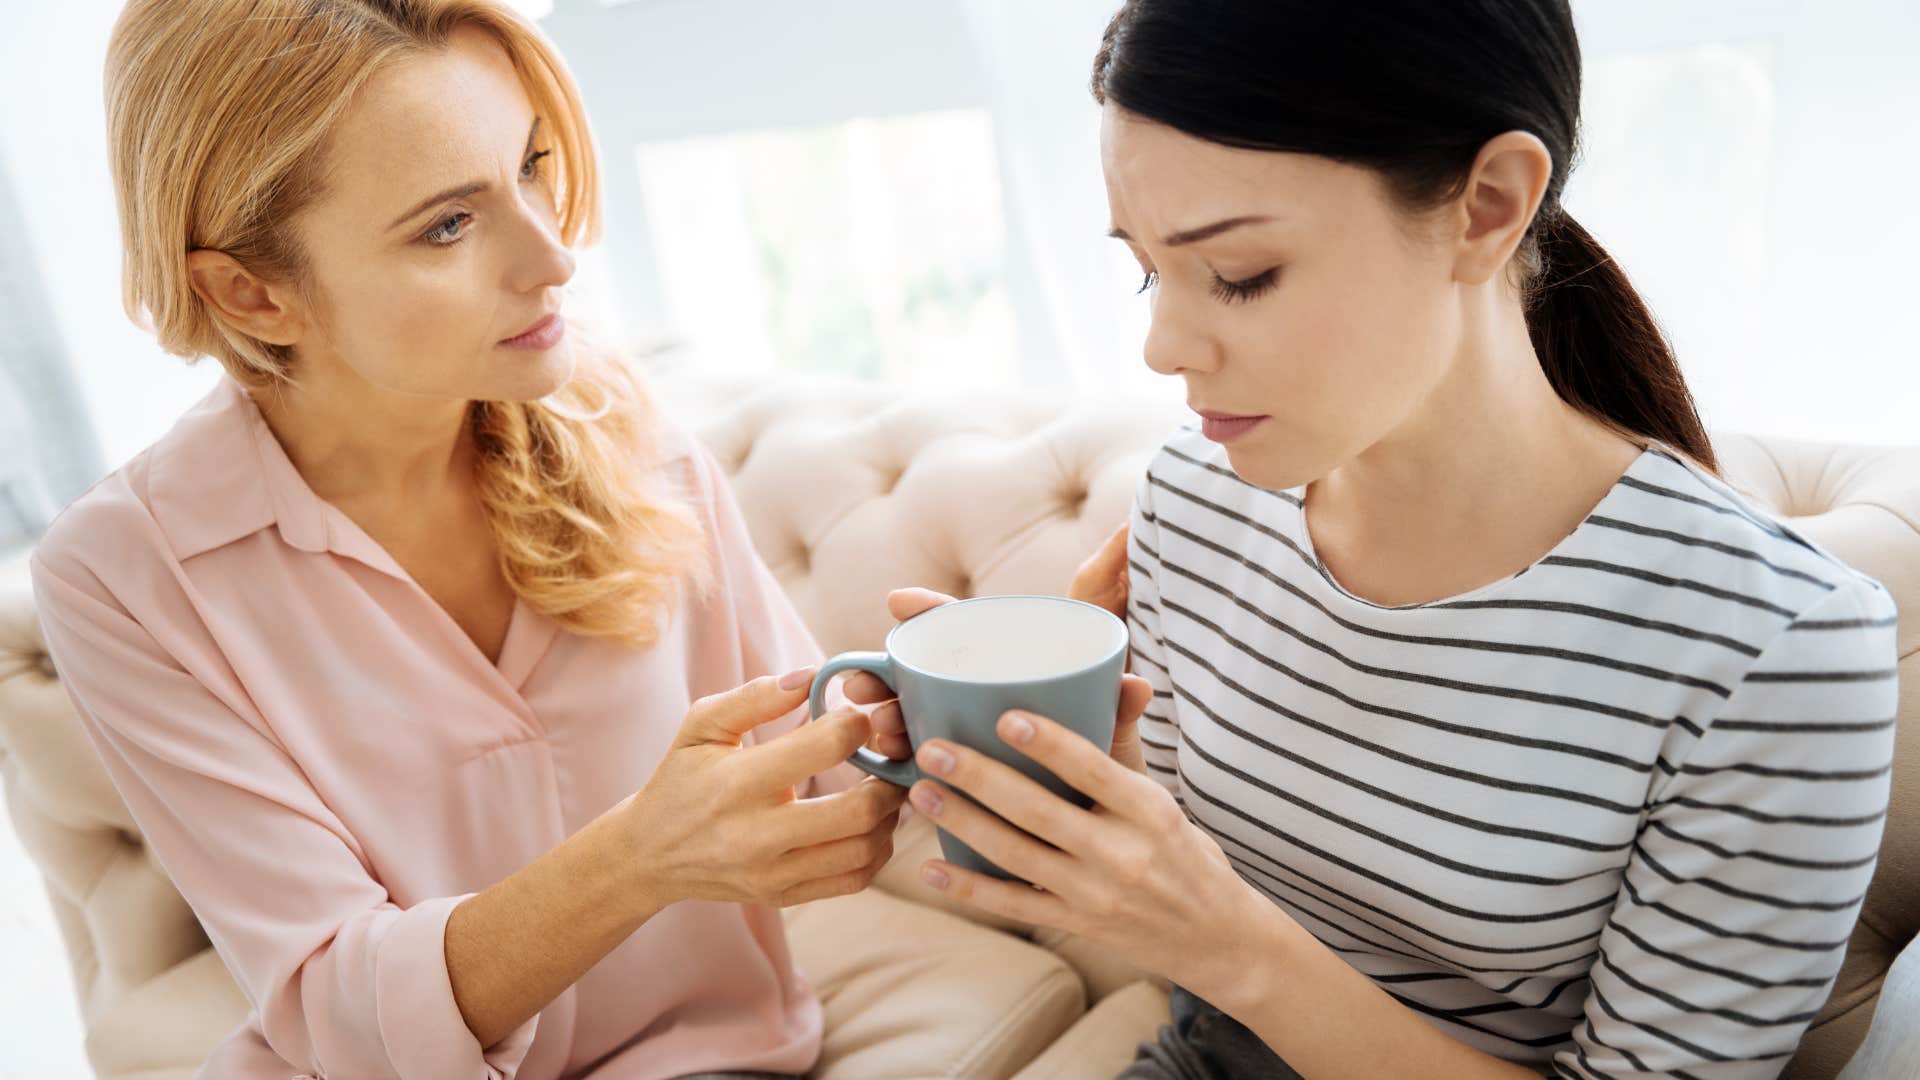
<point x="1492" y="445"/>
<point x="361" y="445"/>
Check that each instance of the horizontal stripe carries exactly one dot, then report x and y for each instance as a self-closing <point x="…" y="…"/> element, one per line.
<point x="1378" y="837"/>
<point x="1461" y="686"/>
<point x="1711" y="545"/>
<point x="1562" y="607"/>
<point x="1680" y="1003"/>
<point x="1489" y="735"/>
<point x="1719" y="508"/>
<point x="1670" y="582"/>
<point x="1646" y="859"/>
<point x="1614" y="925"/>
<point x="1816" y="820"/>
<point x="1818" y="727"/>
<point x="1876" y="675"/>
<point x="1672" y="833"/>
<point x="1399" y="800"/>
<point x="1425" y="955"/>
<point x="1810" y="775"/>
<point x="1845" y="624"/>
<point x="1633" y="894"/>
<point x="1504" y="918"/>
<point x="1570" y="655"/>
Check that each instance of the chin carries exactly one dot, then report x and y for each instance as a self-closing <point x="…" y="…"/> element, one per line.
<point x="531" y="376"/>
<point x="1274" y="468"/>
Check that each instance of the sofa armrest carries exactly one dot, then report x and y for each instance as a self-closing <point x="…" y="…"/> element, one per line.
<point x="1891" y="1050"/>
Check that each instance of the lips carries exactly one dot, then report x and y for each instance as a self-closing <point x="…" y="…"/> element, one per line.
<point x="540" y="335"/>
<point x="1224" y="427"/>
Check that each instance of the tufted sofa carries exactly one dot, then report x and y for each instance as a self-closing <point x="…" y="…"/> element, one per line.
<point x="851" y="490"/>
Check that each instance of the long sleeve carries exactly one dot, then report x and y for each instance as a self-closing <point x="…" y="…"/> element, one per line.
<point x="1159" y="731"/>
<point x="346" y="982"/>
<point x="1750" y="868"/>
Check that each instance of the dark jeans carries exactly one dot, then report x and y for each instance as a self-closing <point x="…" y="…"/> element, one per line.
<point x="1203" y="1043"/>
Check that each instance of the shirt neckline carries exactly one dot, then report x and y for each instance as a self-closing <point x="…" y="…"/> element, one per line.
<point x="1647" y="453"/>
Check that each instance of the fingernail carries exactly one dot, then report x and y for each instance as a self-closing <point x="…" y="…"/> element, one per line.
<point x="1019" y="729"/>
<point x="936" y="761"/>
<point x="927" y="798"/>
<point x="934" y="876"/>
<point x="794" y="680"/>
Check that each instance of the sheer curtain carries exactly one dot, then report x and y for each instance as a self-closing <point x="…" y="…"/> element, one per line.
<point x="48" y="453"/>
<point x="1747" y="161"/>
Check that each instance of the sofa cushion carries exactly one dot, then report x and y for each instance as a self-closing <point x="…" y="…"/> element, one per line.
<point x="911" y="993"/>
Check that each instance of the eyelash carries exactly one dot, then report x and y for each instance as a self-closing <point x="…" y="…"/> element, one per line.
<point x="1228" y="292"/>
<point x="532" y="162"/>
<point x="1240" y="292"/>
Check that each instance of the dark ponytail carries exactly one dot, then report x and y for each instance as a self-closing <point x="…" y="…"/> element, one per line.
<point x="1413" y="90"/>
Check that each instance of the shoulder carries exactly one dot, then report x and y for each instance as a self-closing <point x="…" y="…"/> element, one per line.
<point x="1831" y="624"/>
<point x="1667" y="498"/>
<point x="108" y="531"/>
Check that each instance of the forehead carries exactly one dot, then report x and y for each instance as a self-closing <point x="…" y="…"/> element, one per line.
<point x="1162" y="180"/>
<point x="432" y="120"/>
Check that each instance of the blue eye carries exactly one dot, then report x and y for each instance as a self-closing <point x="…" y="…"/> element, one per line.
<point x="449" y="232"/>
<point x="442" y="234"/>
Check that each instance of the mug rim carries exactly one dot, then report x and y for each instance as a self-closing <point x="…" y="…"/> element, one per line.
<point x="1126" y="641"/>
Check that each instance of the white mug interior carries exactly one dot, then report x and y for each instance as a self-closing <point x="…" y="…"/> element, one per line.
<point x="1007" y="639"/>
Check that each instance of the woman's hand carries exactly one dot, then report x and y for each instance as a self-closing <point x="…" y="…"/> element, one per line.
<point x="719" y="820"/>
<point x="1131" y="873"/>
<point x="1102" y="579"/>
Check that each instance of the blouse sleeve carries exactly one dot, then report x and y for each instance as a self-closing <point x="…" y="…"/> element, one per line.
<point x="345" y="981"/>
<point x="1749" y="870"/>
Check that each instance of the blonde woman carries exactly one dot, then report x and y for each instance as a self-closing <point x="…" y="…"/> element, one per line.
<point x="437" y="670"/>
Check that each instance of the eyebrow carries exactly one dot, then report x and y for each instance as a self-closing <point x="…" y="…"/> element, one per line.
<point x="1204" y="232"/>
<point x="460" y="191"/>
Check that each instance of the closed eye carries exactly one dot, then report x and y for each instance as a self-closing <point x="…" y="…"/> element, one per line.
<point x="1240" y="292"/>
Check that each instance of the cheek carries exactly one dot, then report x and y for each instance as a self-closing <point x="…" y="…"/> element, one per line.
<point x="1385" y="320"/>
<point x="406" y="330"/>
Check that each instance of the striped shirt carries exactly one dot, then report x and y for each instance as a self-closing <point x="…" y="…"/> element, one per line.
<point x="1612" y="815"/>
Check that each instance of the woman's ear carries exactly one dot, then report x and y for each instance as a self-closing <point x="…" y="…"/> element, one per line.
<point x="243" y="300"/>
<point x="1503" y="193"/>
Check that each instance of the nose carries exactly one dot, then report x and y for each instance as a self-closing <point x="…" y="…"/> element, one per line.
<point x="1178" y="342"/>
<point x="540" y="259"/>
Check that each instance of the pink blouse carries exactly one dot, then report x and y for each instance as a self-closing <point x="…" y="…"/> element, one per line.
<point x="325" y="765"/>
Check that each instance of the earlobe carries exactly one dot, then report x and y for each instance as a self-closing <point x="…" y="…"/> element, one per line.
<point x="240" y="299"/>
<point x="1503" y="193"/>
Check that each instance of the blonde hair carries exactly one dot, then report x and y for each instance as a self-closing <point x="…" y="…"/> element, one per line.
<point x="218" y="116"/>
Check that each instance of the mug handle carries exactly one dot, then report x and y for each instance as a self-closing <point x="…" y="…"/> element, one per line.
<point x="903" y="773"/>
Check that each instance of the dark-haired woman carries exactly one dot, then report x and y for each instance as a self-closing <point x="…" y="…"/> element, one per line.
<point x="1491" y="733"/>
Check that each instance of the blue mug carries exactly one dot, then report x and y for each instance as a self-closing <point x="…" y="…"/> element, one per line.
<point x="958" y="667"/>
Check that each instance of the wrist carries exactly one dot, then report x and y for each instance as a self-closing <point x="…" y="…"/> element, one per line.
<point x="638" y="867"/>
<point x="1253" y="959"/>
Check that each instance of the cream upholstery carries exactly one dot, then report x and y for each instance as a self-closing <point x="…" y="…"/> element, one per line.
<point x="849" y="491"/>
